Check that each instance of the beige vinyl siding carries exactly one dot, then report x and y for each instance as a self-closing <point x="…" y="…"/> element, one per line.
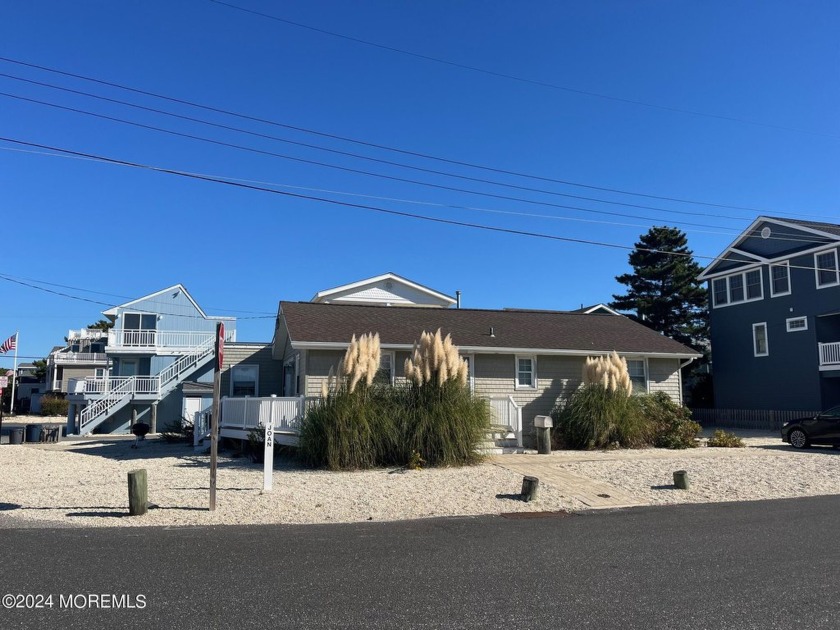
<point x="556" y="376"/>
<point x="76" y="372"/>
<point x="271" y="371"/>
<point x="317" y="369"/>
<point x="664" y="376"/>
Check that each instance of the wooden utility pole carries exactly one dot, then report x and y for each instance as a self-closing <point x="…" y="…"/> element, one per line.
<point x="215" y="413"/>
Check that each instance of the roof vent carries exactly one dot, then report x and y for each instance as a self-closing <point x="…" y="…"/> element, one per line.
<point x="765" y="232"/>
<point x="492" y="332"/>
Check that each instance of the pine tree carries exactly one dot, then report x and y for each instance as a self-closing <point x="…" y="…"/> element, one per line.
<point x="663" y="290"/>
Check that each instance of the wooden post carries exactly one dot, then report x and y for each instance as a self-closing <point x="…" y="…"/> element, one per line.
<point x="215" y="413"/>
<point x="133" y="414"/>
<point x="681" y="479"/>
<point x="530" y="485"/>
<point x="153" y="418"/>
<point x="138" y="492"/>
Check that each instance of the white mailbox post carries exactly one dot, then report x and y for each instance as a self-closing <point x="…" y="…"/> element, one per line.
<point x="268" y="466"/>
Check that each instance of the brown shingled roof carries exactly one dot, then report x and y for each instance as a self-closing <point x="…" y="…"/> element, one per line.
<point x="545" y="330"/>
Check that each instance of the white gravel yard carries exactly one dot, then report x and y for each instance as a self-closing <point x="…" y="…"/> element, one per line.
<point x="765" y="469"/>
<point x="83" y="483"/>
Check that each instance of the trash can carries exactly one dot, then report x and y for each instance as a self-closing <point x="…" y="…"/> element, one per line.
<point x="16" y="435"/>
<point x="33" y="432"/>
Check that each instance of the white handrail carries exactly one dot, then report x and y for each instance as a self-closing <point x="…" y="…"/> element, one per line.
<point x="163" y="338"/>
<point x="508" y="414"/>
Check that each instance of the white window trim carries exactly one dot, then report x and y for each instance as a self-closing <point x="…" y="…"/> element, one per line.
<point x="803" y="318"/>
<point x="471" y="375"/>
<point x="785" y="263"/>
<point x="817" y="269"/>
<point x="256" y="380"/>
<point x="391" y="354"/>
<point x="766" y="340"/>
<point x="644" y="360"/>
<point x="743" y="274"/>
<point x="533" y="359"/>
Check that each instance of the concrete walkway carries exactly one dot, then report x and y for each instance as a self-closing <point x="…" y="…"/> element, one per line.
<point x="595" y="495"/>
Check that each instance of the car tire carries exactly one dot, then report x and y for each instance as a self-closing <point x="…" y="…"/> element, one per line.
<point x="798" y="438"/>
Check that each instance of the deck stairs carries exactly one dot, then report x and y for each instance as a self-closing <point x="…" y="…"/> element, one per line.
<point x="501" y="440"/>
<point x="119" y="392"/>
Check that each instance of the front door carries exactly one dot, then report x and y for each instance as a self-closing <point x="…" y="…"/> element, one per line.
<point x="128" y="367"/>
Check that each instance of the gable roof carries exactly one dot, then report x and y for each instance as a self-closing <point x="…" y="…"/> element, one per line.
<point x="112" y="312"/>
<point x="767" y="239"/>
<point x="324" y="295"/>
<point x="332" y="325"/>
<point x="596" y="308"/>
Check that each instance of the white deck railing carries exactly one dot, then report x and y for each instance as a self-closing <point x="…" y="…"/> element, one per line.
<point x="87" y="333"/>
<point x="162" y="338"/>
<point x="506" y="413"/>
<point x="830" y="353"/>
<point x="61" y="358"/>
<point x="285" y="414"/>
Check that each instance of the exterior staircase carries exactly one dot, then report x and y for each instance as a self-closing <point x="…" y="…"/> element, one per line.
<point x="500" y="440"/>
<point x="116" y="393"/>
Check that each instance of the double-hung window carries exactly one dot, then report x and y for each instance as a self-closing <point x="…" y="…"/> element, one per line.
<point x="780" y="279"/>
<point x="385" y="374"/>
<point x="826" y="269"/>
<point x="244" y="380"/>
<point x="638" y="375"/>
<point x="745" y="286"/>
<point x="760" y="346"/>
<point x="526" y="372"/>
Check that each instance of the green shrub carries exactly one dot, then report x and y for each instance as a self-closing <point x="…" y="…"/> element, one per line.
<point x="725" y="439"/>
<point x="54" y="406"/>
<point x="595" y="416"/>
<point x="672" y="423"/>
<point x="178" y="431"/>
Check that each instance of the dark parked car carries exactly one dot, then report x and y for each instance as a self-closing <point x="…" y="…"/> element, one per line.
<point x="824" y="428"/>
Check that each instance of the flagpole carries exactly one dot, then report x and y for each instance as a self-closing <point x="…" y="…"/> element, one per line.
<point x="14" y="381"/>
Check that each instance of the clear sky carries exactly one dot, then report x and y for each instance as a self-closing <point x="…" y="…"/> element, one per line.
<point x="762" y="78"/>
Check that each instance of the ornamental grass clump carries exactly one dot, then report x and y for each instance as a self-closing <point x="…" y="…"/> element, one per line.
<point x="602" y="413"/>
<point x="725" y="439"/>
<point x="440" y="418"/>
<point x="350" y="426"/>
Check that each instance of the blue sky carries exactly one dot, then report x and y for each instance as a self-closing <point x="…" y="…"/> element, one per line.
<point x="773" y="67"/>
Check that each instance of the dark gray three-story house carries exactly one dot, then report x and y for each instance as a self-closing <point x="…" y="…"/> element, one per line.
<point x="774" y="300"/>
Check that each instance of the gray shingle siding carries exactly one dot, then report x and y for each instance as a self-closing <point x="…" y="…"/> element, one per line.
<point x="271" y="371"/>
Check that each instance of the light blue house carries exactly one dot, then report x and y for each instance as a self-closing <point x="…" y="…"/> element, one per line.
<point x="158" y="344"/>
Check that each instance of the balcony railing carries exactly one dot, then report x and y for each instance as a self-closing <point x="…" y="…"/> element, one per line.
<point x="140" y="384"/>
<point x="65" y="358"/>
<point x="128" y="339"/>
<point x="830" y="354"/>
<point x="93" y="334"/>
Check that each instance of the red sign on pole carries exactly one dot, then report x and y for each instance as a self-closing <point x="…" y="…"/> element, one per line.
<point x="220" y="346"/>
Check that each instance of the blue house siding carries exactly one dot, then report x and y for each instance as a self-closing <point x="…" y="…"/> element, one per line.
<point x="789" y="377"/>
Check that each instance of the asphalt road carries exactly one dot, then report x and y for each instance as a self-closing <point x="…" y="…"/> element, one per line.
<point x="771" y="564"/>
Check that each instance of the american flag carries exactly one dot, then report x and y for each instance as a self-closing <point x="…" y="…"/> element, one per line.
<point x="9" y="344"/>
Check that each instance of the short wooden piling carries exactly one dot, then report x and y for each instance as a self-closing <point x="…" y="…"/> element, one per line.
<point x="681" y="479"/>
<point x="530" y="485"/>
<point x="138" y="492"/>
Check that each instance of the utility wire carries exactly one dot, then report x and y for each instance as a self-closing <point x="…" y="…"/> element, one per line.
<point x="433" y="204"/>
<point x="363" y="157"/>
<point x="519" y="79"/>
<point x="385" y="147"/>
<point x="386" y="211"/>
<point x="337" y="167"/>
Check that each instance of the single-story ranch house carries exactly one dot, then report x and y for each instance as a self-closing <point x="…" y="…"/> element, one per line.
<point x="526" y="357"/>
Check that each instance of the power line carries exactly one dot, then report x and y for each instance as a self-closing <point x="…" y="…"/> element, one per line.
<point x="519" y="79"/>
<point x="337" y="167"/>
<point x="385" y="147"/>
<point x="732" y="232"/>
<point x="377" y="209"/>
<point x="360" y="156"/>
